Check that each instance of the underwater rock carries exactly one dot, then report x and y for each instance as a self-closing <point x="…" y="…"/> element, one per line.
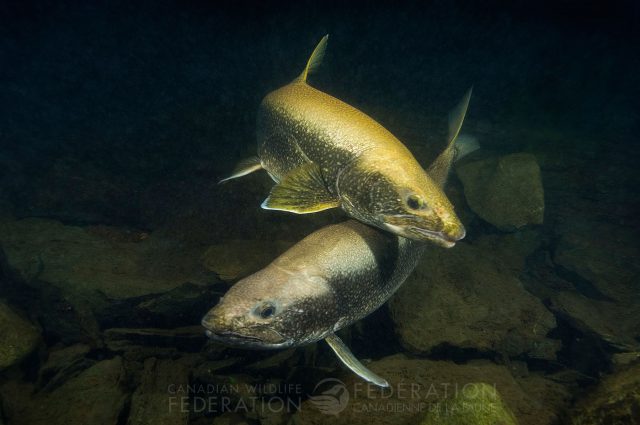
<point x="511" y="248"/>
<point x="230" y="418"/>
<point x="210" y="367"/>
<point x="94" y="396"/>
<point x="275" y="412"/>
<point x="187" y="339"/>
<point x="158" y="398"/>
<point x="622" y="359"/>
<point x="65" y="318"/>
<point x="466" y="298"/>
<point x="89" y="278"/>
<point x="82" y="262"/>
<point x="62" y="364"/>
<point x="616" y="325"/>
<point x="279" y="359"/>
<point x="552" y="396"/>
<point x="182" y="306"/>
<point x="235" y="259"/>
<point x="506" y="191"/>
<point x="545" y="349"/>
<point x="15" y="396"/>
<point x="602" y="258"/>
<point x="615" y="400"/>
<point x="419" y="386"/>
<point x="475" y="404"/>
<point x="604" y="307"/>
<point x="235" y="392"/>
<point x="19" y="337"/>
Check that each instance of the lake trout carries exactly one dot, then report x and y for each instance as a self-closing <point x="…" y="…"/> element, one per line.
<point x="332" y="278"/>
<point x="323" y="153"/>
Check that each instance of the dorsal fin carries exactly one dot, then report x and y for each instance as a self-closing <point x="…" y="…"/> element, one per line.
<point x="315" y="59"/>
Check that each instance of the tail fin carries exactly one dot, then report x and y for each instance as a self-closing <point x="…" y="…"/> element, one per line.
<point x="456" y="117"/>
<point x="465" y="144"/>
<point x="439" y="169"/>
<point x="315" y="59"/>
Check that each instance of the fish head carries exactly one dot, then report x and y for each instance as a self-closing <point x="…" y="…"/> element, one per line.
<point x="407" y="204"/>
<point x="272" y="309"/>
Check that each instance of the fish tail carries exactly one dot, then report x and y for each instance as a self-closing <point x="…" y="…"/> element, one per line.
<point x="465" y="144"/>
<point x="439" y="169"/>
<point x="456" y="117"/>
<point x="315" y="59"/>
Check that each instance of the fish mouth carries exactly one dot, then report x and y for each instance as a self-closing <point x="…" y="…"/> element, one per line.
<point x="241" y="340"/>
<point x="440" y="238"/>
<point x="420" y="234"/>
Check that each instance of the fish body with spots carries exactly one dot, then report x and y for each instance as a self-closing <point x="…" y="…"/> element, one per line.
<point x="323" y="153"/>
<point x="332" y="278"/>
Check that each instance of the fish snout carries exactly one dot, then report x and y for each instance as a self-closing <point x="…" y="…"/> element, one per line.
<point x="450" y="225"/>
<point x="455" y="232"/>
<point x="213" y="322"/>
<point x="207" y="321"/>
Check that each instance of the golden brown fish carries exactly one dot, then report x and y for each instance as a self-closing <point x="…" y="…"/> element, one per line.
<point x="324" y="153"/>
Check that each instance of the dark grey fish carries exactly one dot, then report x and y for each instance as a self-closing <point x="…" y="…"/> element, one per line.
<point x="332" y="278"/>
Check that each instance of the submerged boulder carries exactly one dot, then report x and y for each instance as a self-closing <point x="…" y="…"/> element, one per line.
<point x="95" y="396"/>
<point x="19" y="337"/>
<point x="63" y="363"/>
<point x="603" y="255"/>
<point x="88" y="263"/>
<point x="589" y="279"/>
<point x="467" y="299"/>
<point x="156" y="341"/>
<point x="512" y="249"/>
<point x="156" y="400"/>
<point x="475" y="404"/>
<point x="506" y="191"/>
<point x="616" y="400"/>
<point x="234" y="259"/>
<point x="91" y="277"/>
<point x="417" y="387"/>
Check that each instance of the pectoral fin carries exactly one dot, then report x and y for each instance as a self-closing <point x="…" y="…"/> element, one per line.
<point x="244" y="167"/>
<point x="347" y="357"/>
<point x="302" y="191"/>
<point x="439" y="169"/>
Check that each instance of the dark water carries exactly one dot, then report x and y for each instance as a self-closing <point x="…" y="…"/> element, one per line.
<point x="119" y="118"/>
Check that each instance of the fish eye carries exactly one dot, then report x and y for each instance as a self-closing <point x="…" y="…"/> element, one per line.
<point x="266" y="310"/>
<point x="416" y="202"/>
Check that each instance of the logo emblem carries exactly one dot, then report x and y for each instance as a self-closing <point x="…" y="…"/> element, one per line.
<point x="333" y="399"/>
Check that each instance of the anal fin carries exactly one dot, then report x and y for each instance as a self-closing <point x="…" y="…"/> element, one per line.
<point x="302" y="191"/>
<point x="244" y="167"/>
<point x="347" y="357"/>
